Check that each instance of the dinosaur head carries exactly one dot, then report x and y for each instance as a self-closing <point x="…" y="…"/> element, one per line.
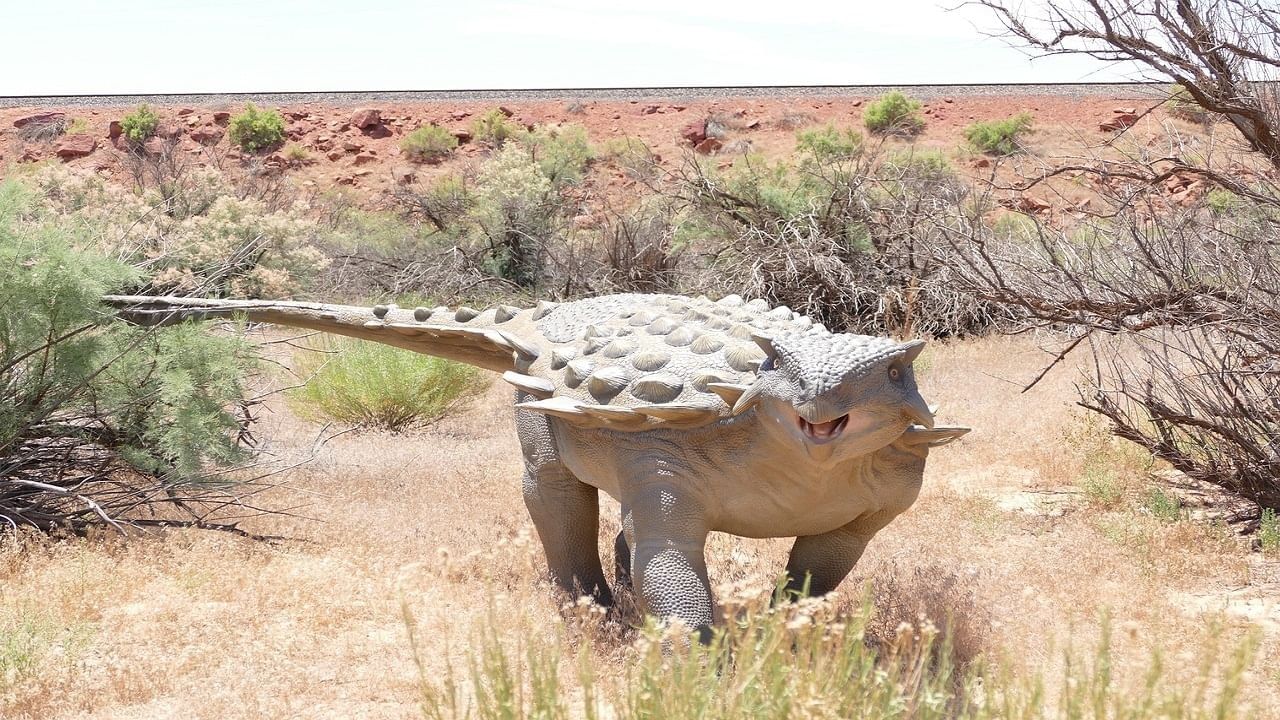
<point x="838" y="395"/>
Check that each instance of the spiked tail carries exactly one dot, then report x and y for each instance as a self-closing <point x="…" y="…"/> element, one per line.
<point x="462" y="334"/>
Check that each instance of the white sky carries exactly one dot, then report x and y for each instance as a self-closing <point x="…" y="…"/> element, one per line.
<point x="141" y="46"/>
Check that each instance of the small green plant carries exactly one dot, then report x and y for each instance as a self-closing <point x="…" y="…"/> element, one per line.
<point x="1102" y="488"/>
<point x="77" y="126"/>
<point x="1269" y="532"/>
<point x="429" y="143"/>
<point x="140" y="124"/>
<point x="999" y="137"/>
<point x="255" y="129"/>
<point x="1182" y="105"/>
<point x="493" y="128"/>
<point x="561" y="151"/>
<point x="1162" y="505"/>
<point x="296" y="154"/>
<point x="894" y="114"/>
<point x="1222" y="202"/>
<point x="829" y="143"/>
<point x="380" y="387"/>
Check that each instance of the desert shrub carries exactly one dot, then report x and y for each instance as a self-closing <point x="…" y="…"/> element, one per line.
<point x="1162" y="505"/>
<point x="641" y="250"/>
<point x="380" y="387"/>
<point x="1269" y="531"/>
<point x="98" y="420"/>
<point x="296" y="154"/>
<point x="494" y="128"/>
<point x="77" y="126"/>
<point x="41" y="130"/>
<point x="632" y="156"/>
<point x="792" y="120"/>
<point x="139" y="124"/>
<point x="429" y="143"/>
<point x="999" y="137"/>
<point x="893" y="114"/>
<point x="829" y="142"/>
<point x="561" y="151"/>
<point x="254" y="129"/>
<point x="516" y="207"/>
<point x="1181" y="104"/>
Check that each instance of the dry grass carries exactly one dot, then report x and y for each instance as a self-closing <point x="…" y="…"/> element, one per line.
<point x="200" y="625"/>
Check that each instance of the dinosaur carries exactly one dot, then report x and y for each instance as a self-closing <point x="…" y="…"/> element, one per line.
<point x="695" y="415"/>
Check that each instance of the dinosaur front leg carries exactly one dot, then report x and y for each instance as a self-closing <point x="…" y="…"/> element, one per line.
<point x="669" y="571"/>
<point x="622" y="549"/>
<point x="823" y="561"/>
<point x="565" y="512"/>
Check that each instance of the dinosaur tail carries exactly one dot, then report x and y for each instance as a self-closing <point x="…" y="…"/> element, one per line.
<point x="464" y="334"/>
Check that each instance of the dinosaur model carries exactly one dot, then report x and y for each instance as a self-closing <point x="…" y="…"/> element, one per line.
<point x="696" y="415"/>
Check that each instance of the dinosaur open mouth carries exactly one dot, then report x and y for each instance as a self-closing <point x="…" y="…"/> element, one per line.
<point x="823" y="431"/>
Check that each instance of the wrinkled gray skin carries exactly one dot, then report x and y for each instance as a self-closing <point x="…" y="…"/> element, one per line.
<point x="696" y="416"/>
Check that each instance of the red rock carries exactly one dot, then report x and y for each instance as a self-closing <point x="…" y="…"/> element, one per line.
<point x="296" y="115"/>
<point x="154" y="145"/>
<point x="206" y="135"/>
<point x="40" y="119"/>
<point x="335" y="154"/>
<point x="948" y="100"/>
<point x="74" y="146"/>
<point x="753" y="125"/>
<point x="352" y="146"/>
<point x="366" y="118"/>
<point x="679" y="108"/>
<point x="169" y="132"/>
<point x="649" y="109"/>
<point x="1029" y="204"/>
<point x="377" y="132"/>
<point x="114" y="130"/>
<point x="185" y="111"/>
<point x="694" y="133"/>
<point x="1124" y="111"/>
<point x="365" y="158"/>
<point x="505" y="110"/>
<point x="459" y="115"/>
<point x="404" y="174"/>
<point x="296" y="131"/>
<point x="982" y="162"/>
<point x="462" y="136"/>
<point x="708" y="146"/>
<point x="222" y="117"/>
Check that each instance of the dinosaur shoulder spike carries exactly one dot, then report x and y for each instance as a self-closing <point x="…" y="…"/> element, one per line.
<point x="729" y="392"/>
<point x="540" y="387"/>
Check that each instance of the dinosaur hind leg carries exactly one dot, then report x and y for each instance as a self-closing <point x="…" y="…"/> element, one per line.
<point x="622" y="550"/>
<point x="565" y="512"/>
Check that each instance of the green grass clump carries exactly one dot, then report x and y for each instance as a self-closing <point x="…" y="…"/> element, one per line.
<point x="255" y="129"/>
<point x="1162" y="505"/>
<point x="1269" y="532"/>
<point x="494" y="128"/>
<point x="894" y="114"/>
<point x="999" y="137"/>
<point x="829" y="143"/>
<point x="380" y="387"/>
<point x="140" y="124"/>
<point x="428" y="143"/>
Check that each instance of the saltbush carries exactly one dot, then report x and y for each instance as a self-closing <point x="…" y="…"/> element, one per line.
<point x="428" y="143"/>
<point x="380" y="387"/>
<point x="494" y="128"/>
<point x="999" y="137"/>
<point x="140" y="124"/>
<point x="255" y="129"/>
<point x="829" y="143"/>
<point x="561" y="151"/>
<point x="894" y="114"/>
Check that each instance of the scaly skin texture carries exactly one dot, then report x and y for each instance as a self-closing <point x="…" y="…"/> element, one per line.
<point x="695" y="415"/>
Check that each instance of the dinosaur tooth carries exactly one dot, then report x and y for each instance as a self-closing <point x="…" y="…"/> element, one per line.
<point x="561" y="357"/>
<point x="705" y="345"/>
<point x="657" y="388"/>
<point x="605" y="383"/>
<point x="543" y="308"/>
<point x="578" y="370"/>
<point x="421" y="314"/>
<point x="744" y="358"/>
<point x="731" y="300"/>
<point x="682" y="336"/>
<point x="619" y="348"/>
<point x="662" y="326"/>
<point x="541" y="387"/>
<point x="504" y="313"/>
<point x="464" y="314"/>
<point x="651" y="360"/>
<point x="380" y="311"/>
<point x="729" y="392"/>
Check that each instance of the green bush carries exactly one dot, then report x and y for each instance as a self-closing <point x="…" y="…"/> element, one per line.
<point x="1162" y="505"/>
<point x="561" y="151"/>
<point x="140" y="124"/>
<point x="999" y="137"/>
<point x="97" y="410"/>
<point x="1269" y="531"/>
<point x="380" y="387"/>
<point x="894" y="114"/>
<point x="829" y="143"/>
<point x="428" y="143"/>
<point x="255" y="129"/>
<point x="494" y="128"/>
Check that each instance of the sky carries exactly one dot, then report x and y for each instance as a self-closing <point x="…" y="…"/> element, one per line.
<point x="59" y="47"/>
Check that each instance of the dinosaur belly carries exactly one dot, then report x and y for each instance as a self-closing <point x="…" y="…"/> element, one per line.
<point x="762" y="506"/>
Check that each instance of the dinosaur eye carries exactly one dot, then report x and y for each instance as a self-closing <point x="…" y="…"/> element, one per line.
<point x="895" y="373"/>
